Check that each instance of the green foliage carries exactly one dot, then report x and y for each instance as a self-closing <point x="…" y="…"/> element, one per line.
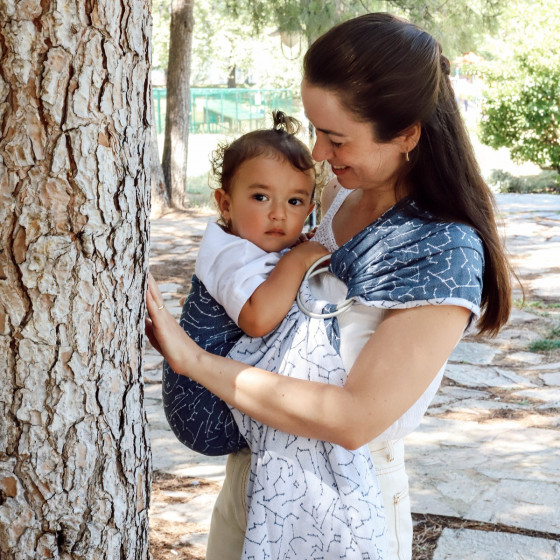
<point x="244" y="33"/>
<point x="544" y="182"/>
<point x="522" y="107"/>
<point x="522" y="112"/>
<point x="161" y="19"/>
<point x="458" y="25"/>
<point x="550" y="342"/>
<point x="223" y="42"/>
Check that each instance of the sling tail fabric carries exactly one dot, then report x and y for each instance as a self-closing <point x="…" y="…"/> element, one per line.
<point x="306" y="498"/>
<point x="312" y="499"/>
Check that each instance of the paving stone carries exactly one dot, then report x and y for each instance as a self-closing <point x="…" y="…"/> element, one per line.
<point x="449" y="394"/>
<point x="548" y="395"/>
<point x="473" y="353"/>
<point x="520" y="317"/>
<point x="170" y="456"/>
<point x="551" y="379"/>
<point x="152" y="394"/>
<point x="496" y="471"/>
<point x="152" y="361"/>
<point x="531" y="203"/>
<point x="152" y="376"/>
<point x="551" y="366"/>
<point x="523" y="358"/>
<point x="469" y="544"/>
<point x="478" y="376"/>
<point x="528" y="504"/>
<point x="548" y="286"/>
<point x="195" y="509"/>
<point x="520" y="336"/>
<point x="156" y="416"/>
<point x="170" y="287"/>
<point x="474" y="407"/>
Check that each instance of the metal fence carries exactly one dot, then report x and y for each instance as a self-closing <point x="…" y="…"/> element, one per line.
<point x="221" y="110"/>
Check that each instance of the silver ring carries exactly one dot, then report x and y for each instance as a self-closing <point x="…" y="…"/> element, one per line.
<point x="314" y="271"/>
<point x="161" y="306"/>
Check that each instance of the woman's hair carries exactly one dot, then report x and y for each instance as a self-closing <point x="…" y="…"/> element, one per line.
<point x="277" y="142"/>
<point x="392" y="74"/>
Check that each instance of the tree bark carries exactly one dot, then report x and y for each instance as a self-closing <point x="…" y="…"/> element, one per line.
<point x="178" y="100"/>
<point x="75" y="117"/>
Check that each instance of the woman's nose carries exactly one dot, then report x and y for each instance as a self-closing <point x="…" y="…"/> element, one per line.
<point x="321" y="150"/>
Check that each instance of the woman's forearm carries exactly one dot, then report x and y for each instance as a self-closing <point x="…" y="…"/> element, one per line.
<point x="300" y="407"/>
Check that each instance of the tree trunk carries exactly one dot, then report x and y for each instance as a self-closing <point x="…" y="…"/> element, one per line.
<point x="159" y="197"/>
<point x="178" y="93"/>
<point x="74" y="198"/>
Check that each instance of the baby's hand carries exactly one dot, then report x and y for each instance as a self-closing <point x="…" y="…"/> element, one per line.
<point x="305" y="237"/>
<point x="309" y="252"/>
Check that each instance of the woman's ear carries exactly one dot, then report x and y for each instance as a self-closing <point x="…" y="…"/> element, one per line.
<point x="223" y="200"/>
<point x="409" y="137"/>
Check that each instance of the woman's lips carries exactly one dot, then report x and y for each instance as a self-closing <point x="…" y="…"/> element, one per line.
<point x="339" y="169"/>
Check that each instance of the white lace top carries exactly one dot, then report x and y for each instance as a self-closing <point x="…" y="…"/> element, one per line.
<point x="324" y="234"/>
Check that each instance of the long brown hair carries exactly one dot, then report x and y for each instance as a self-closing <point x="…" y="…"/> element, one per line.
<point x="392" y="74"/>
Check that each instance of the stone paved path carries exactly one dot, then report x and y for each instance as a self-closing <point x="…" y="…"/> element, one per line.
<point x="488" y="448"/>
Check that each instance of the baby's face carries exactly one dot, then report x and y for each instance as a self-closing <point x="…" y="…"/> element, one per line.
<point x="268" y="202"/>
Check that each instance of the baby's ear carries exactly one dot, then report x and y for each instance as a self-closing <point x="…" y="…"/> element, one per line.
<point x="223" y="200"/>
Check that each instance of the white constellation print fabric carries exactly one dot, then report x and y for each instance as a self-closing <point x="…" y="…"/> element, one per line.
<point x="306" y="498"/>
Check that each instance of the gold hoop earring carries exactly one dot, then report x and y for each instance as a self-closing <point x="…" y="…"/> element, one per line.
<point x="406" y="157"/>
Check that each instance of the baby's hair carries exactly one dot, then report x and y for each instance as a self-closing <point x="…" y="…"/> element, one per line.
<point x="279" y="142"/>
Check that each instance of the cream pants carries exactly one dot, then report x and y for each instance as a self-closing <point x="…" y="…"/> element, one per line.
<point x="229" y="518"/>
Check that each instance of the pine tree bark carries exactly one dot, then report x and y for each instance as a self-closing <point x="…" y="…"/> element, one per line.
<point x="74" y="202"/>
<point x="174" y="161"/>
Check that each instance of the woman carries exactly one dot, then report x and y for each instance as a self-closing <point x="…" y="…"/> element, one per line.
<point x="377" y="90"/>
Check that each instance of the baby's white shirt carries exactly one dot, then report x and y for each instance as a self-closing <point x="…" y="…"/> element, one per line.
<point x="231" y="268"/>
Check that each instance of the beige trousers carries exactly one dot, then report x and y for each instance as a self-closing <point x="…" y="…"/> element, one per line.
<point x="229" y="518"/>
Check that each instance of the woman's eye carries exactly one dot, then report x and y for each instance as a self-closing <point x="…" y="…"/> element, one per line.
<point x="335" y="144"/>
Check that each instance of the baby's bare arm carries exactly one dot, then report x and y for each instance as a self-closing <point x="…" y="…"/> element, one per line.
<point x="272" y="300"/>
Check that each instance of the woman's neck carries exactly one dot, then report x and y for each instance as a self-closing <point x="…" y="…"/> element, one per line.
<point x="361" y="208"/>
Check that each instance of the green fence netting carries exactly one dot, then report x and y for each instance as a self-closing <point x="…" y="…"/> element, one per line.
<point x="221" y="110"/>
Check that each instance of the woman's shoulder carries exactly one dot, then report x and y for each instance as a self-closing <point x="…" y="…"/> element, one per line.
<point x="433" y="229"/>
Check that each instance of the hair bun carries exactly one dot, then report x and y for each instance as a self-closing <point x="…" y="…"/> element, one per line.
<point x="284" y="123"/>
<point x="445" y="65"/>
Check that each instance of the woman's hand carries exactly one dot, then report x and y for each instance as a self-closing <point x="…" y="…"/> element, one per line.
<point x="165" y="334"/>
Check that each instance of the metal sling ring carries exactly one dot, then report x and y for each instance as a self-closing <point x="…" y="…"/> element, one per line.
<point x="315" y="271"/>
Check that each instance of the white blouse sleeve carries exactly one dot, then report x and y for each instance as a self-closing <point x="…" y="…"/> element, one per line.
<point x="232" y="268"/>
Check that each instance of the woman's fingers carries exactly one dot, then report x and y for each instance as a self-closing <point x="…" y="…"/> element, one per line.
<point x="154" y="299"/>
<point x="149" y="328"/>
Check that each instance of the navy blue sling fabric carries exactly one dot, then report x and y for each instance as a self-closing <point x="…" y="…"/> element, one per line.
<point x="197" y="417"/>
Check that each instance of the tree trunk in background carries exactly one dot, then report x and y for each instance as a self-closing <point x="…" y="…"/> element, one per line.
<point x="159" y="196"/>
<point x="74" y="197"/>
<point x="177" y="113"/>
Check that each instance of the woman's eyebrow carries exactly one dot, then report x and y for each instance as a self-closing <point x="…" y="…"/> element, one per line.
<point x="331" y="132"/>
